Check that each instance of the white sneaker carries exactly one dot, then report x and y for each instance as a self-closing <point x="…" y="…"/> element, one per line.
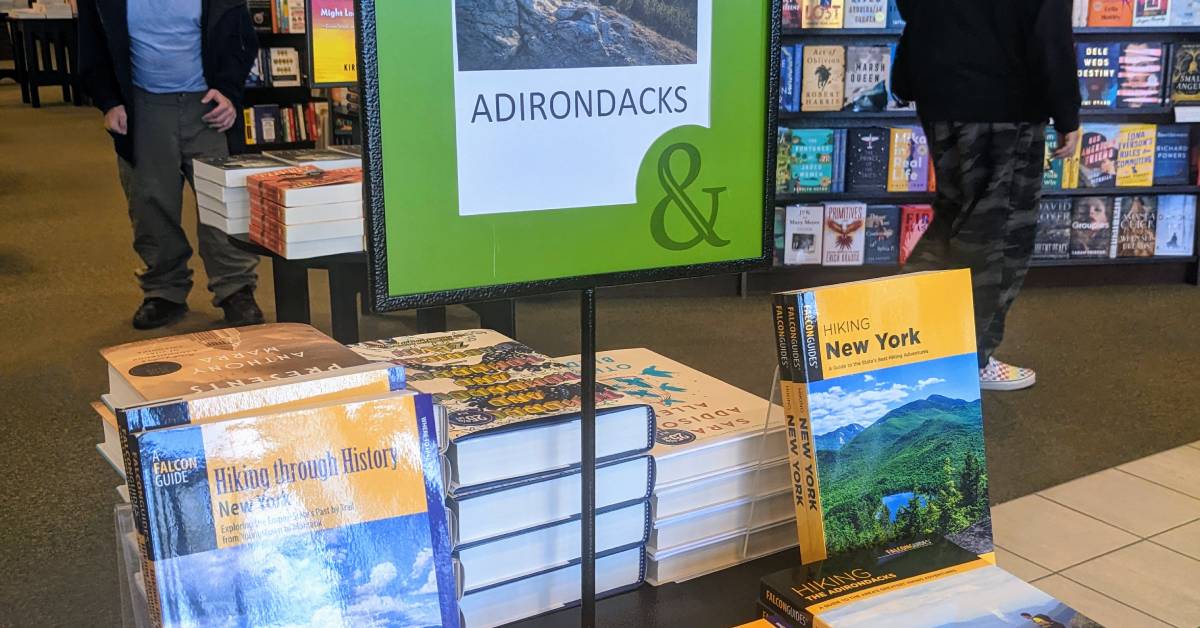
<point x="1000" y="376"/>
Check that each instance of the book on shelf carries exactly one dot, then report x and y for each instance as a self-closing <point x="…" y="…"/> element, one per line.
<point x="868" y="78"/>
<point x="1184" y="12"/>
<point x="1052" y="168"/>
<point x="867" y="159"/>
<point x="323" y="158"/>
<point x="929" y="582"/>
<point x="1175" y="232"/>
<point x="844" y="242"/>
<point x="284" y="66"/>
<point x="789" y="77"/>
<point x="267" y="125"/>
<point x="1091" y="227"/>
<point x="1053" y="238"/>
<point x="863" y="475"/>
<point x="1098" y="64"/>
<point x="287" y="16"/>
<point x="777" y="231"/>
<point x="1185" y="74"/>
<point x="882" y="235"/>
<point x="822" y="13"/>
<point x="824" y="76"/>
<point x="908" y="160"/>
<point x="895" y="20"/>
<point x="914" y="222"/>
<point x="1136" y="229"/>
<point x="1135" y="155"/>
<point x="1140" y="75"/>
<point x="257" y="76"/>
<point x="231" y="171"/>
<point x="866" y="14"/>
<point x="1171" y="146"/>
<point x="803" y="234"/>
<point x="1151" y="14"/>
<point x="509" y="411"/>
<point x="260" y="14"/>
<point x="812" y="159"/>
<point x="791" y="14"/>
<point x="1098" y="156"/>
<point x="1110" y="13"/>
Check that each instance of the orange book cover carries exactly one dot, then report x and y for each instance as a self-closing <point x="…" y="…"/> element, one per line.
<point x="276" y="190"/>
<point x="1110" y="13"/>
<point x="255" y="182"/>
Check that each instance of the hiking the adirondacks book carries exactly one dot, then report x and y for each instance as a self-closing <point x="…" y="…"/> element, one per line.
<point x="885" y="429"/>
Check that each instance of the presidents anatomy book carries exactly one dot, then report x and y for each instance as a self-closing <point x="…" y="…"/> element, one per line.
<point x="883" y="405"/>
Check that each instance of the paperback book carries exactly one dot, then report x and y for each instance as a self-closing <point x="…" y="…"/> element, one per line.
<point x="1140" y="80"/>
<point x="865" y="474"/>
<point x="824" y="76"/>
<point x="1171" y="147"/>
<point x="1176" y="228"/>
<point x="882" y="234"/>
<point x="803" y="234"/>
<point x="1098" y="156"/>
<point x="844" y="241"/>
<point x="1053" y="239"/>
<point x="1135" y="155"/>
<point x="867" y="159"/>
<point x="1136" y="231"/>
<point x="231" y="171"/>
<point x="1185" y="74"/>
<point x="914" y="222"/>
<point x="1097" y="69"/>
<point x="908" y="164"/>
<point x="1091" y="227"/>
<point x="868" y="74"/>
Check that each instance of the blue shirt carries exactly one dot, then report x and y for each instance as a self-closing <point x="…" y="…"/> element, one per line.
<point x="164" y="45"/>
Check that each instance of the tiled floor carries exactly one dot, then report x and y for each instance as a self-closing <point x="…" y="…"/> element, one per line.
<point x="1122" y="546"/>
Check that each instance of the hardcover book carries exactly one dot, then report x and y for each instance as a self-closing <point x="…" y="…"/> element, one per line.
<point x="1171" y="145"/>
<point x="824" y="77"/>
<point x="895" y="20"/>
<point x="810" y="158"/>
<point x="1136" y="231"/>
<point x="867" y="159"/>
<point x="866" y="14"/>
<point x="1151" y="13"/>
<point x="908" y="163"/>
<point x="926" y="584"/>
<point x="323" y="158"/>
<point x="868" y="75"/>
<point x="789" y="95"/>
<point x="1140" y="80"/>
<point x="1110" y="13"/>
<point x="1052" y="169"/>
<point x="803" y="234"/>
<point x="914" y="222"/>
<point x="1098" y="64"/>
<point x="305" y="185"/>
<point x="882" y="235"/>
<point x="1053" y="239"/>
<point x="333" y="513"/>
<point x="792" y="14"/>
<point x="1098" y="156"/>
<point x="783" y="161"/>
<point x="822" y="13"/>
<point x="777" y="229"/>
<point x="844" y="234"/>
<point x="1135" y="155"/>
<point x="1185" y="74"/>
<point x="1176" y="229"/>
<point x="1091" y="227"/>
<point x="231" y="171"/>
<point x="267" y="126"/>
<point x="1185" y="12"/>
<point x="910" y="464"/>
<point x="285" y="67"/>
<point x="1079" y="13"/>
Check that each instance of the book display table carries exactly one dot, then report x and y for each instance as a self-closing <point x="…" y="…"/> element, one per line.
<point x="45" y="53"/>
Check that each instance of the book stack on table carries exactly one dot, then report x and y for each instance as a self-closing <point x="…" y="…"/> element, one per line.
<point x="221" y="197"/>
<point x="303" y="211"/>
<point x="512" y="459"/>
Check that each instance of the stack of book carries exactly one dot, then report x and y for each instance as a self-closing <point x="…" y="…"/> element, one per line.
<point x="221" y="196"/>
<point x="511" y="457"/>
<point x="303" y="211"/>
<point x="721" y="495"/>
<point x="849" y="233"/>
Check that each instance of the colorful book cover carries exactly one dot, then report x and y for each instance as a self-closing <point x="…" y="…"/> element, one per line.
<point x="783" y="162"/>
<point x="824" y="79"/>
<point x="1185" y="74"/>
<point x="777" y="230"/>
<point x="1140" y="79"/>
<point x="1091" y="227"/>
<point x="927" y="584"/>
<point x="1175" y="233"/>
<point x="882" y="235"/>
<point x="332" y="515"/>
<point x="1070" y="167"/>
<point x="1135" y="155"/>
<point x="908" y="165"/>
<point x="867" y="472"/>
<point x="1110" y="13"/>
<point x="267" y="126"/>
<point x="1136" y="230"/>
<point x="822" y="13"/>
<point x="1052" y="169"/>
<point x="895" y="20"/>
<point x="1098" y="156"/>
<point x="1151" y="13"/>
<point x="792" y="14"/>
<point x="1171" y="154"/>
<point x="866" y="14"/>
<point x="810" y="158"/>
<point x="867" y="159"/>
<point x="804" y="230"/>
<point x="1097" y="68"/>
<point x="844" y="234"/>
<point x="1185" y="13"/>
<point x="868" y="73"/>
<point x="789" y="96"/>
<point x="1053" y="239"/>
<point x="914" y="222"/>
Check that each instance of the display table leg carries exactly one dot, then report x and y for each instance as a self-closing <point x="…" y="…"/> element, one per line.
<point x="431" y="319"/>
<point x="291" y="291"/>
<point x="343" y="301"/>
<point x="500" y="316"/>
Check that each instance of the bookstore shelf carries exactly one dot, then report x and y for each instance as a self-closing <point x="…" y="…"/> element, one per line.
<point x="842" y="32"/>
<point x="926" y="197"/>
<point x="278" y="95"/>
<point x="858" y="118"/>
<point x="1107" y="261"/>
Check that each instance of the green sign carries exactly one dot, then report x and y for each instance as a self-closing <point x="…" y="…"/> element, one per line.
<point x="519" y="146"/>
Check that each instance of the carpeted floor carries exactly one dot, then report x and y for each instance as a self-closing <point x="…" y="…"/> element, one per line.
<point x="1117" y="364"/>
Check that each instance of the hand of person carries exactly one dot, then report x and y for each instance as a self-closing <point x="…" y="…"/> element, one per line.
<point x="222" y="116"/>
<point x="1067" y="143"/>
<point x="116" y="121"/>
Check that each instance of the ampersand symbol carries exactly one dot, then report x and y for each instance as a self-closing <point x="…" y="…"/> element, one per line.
<point x="676" y="195"/>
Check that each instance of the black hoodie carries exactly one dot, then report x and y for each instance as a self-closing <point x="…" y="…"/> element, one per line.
<point x="228" y="47"/>
<point x="989" y="61"/>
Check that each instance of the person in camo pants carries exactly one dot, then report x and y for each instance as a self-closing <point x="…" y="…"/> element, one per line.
<point x="986" y="76"/>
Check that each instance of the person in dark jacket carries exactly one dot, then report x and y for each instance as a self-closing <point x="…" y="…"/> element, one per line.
<point x="169" y="75"/>
<point x="986" y="76"/>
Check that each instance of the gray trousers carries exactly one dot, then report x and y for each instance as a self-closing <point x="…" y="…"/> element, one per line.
<point x="168" y="133"/>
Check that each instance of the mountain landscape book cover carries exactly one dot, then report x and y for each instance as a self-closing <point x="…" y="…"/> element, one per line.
<point x="844" y="241"/>
<point x="1053" y="239"/>
<point x="824" y="77"/>
<point x="803" y="234"/>
<point x="1136" y="231"/>
<point x="887" y="427"/>
<point x="867" y="159"/>
<point x="810" y="155"/>
<point x="929" y="583"/>
<point x="1091" y="227"/>
<point x="1135" y="155"/>
<point x="1140" y="79"/>
<point x="1175" y="233"/>
<point x="1185" y="73"/>
<point x="882" y="235"/>
<point x="868" y="72"/>
<point x="914" y="222"/>
<point x="1098" y="156"/>
<point x="1097" y="65"/>
<point x="908" y="163"/>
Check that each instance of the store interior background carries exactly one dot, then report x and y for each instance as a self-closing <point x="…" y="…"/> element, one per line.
<point x="1116" y="363"/>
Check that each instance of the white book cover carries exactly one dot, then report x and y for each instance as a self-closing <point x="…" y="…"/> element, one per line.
<point x="1079" y="13"/>
<point x="320" y="248"/>
<point x="231" y="209"/>
<point x="802" y="235"/>
<point x="1175" y="233"/>
<point x="1151" y="13"/>
<point x="224" y="223"/>
<point x="711" y="555"/>
<point x="844" y="233"/>
<point x="865" y="14"/>
<point x="314" y="231"/>
<point x="224" y="194"/>
<point x="721" y="520"/>
<point x="868" y="72"/>
<point x="285" y="67"/>
<point x="1184" y="13"/>
<point x="703" y="425"/>
<point x="347" y="210"/>
<point x="721" y="487"/>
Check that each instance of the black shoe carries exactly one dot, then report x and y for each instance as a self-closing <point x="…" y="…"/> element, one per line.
<point x="156" y="312"/>
<point x="241" y="309"/>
